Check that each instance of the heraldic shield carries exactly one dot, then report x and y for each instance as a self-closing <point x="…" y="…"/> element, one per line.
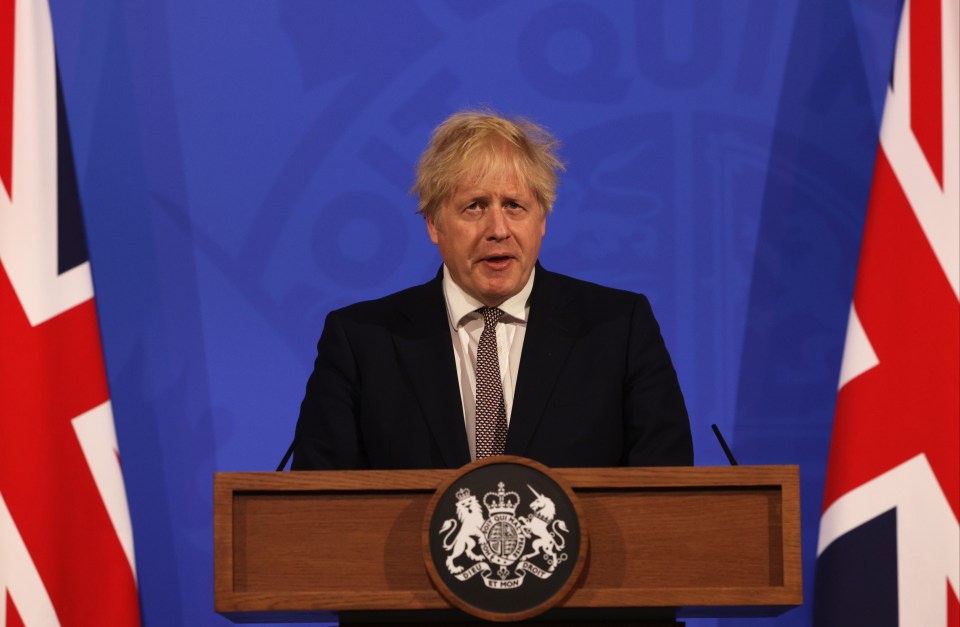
<point x="504" y="539"/>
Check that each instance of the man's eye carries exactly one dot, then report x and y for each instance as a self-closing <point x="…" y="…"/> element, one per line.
<point x="473" y="211"/>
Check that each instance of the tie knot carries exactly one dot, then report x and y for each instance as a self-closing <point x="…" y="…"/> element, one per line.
<point x="491" y="315"/>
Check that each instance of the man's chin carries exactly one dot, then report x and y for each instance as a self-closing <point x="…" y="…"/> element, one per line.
<point x="494" y="295"/>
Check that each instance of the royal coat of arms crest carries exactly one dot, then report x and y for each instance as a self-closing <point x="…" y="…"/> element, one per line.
<point x="498" y="544"/>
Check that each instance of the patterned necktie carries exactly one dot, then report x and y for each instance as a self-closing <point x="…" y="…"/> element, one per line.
<point x="491" y="412"/>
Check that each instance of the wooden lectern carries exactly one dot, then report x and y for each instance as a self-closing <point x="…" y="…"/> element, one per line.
<point x="298" y="546"/>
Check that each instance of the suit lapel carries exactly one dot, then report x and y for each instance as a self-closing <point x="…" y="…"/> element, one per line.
<point x="551" y="333"/>
<point x="425" y="351"/>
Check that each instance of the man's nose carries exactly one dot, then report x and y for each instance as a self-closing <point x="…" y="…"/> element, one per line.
<point x="496" y="223"/>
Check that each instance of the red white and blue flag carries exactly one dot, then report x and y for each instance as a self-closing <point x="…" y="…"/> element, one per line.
<point x="66" y="544"/>
<point x="889" y="545"/>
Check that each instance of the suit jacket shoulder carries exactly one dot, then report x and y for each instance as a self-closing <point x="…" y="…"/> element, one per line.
<point x="384" y="390"/>
<point x="596" y="385"/>
<point x="418" y="304"/>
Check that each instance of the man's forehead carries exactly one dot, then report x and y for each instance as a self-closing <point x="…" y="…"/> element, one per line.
<point x="500" y="179"/>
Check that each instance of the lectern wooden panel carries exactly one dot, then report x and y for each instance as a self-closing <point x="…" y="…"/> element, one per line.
<point x="711" y="541"/>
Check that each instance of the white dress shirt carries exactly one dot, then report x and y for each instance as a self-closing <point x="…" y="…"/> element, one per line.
<point x="466" y="325"/>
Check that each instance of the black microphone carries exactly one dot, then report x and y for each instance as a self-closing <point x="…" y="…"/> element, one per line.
<point x="723" y="443"/>
<point x="283" y="462"/>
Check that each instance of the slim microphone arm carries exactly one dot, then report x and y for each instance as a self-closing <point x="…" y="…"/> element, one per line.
<point x="289" y="452"/>
<point x="723" y="443"/>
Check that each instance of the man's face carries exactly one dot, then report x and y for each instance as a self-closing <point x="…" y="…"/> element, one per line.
<point x="489" y="234"/>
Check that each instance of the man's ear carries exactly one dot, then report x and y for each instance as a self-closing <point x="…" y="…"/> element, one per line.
<point x="433" y="228"/>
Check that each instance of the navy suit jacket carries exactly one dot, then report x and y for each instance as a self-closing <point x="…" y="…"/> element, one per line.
<point x="595" y="387"/>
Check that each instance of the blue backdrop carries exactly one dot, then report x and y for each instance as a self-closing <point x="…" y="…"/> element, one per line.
<point x="244" y="167"/>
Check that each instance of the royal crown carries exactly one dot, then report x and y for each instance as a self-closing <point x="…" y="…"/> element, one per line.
<point x="501" y="502"/>
<point x="463" y="494"/>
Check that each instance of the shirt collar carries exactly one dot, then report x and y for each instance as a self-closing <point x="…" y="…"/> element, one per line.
<point x="461" y="305"/>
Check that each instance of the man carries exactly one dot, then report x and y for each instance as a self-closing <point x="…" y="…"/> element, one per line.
<point x="495" y="355"/>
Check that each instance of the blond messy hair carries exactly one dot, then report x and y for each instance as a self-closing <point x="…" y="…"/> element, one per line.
<point x="478" y="143"/>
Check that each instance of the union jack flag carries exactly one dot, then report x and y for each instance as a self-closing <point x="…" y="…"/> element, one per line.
<point x="66" y="544"/>
<point x="889" y="545"/>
